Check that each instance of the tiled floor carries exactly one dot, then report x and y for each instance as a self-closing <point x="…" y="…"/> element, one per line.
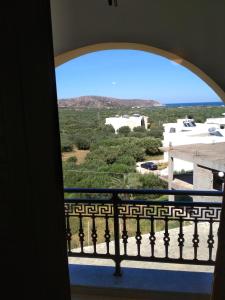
<point x="97" y="282"/>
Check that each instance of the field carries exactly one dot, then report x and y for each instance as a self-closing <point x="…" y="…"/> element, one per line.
<point x="79" y="154"/>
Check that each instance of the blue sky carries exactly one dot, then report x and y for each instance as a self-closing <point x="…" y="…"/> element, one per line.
<point x="129" y="74"/>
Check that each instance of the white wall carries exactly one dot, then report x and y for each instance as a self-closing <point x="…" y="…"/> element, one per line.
<point x="131" y="122"/>
<point x="184" y="28"/>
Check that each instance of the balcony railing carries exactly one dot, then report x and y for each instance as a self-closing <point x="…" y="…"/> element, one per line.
<point x="130" y="224"/>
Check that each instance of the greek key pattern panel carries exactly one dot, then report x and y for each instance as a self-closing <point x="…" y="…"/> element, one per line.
<point x="190" y="213"/>
<point x="171" y="212"/>
<point x="88" y="210"/>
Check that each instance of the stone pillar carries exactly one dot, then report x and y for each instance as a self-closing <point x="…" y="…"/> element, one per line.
<point x="202" y="180"/>
<point x="170" y="173"/>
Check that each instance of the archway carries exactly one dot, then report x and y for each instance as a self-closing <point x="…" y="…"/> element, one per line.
<point x="82" y="51"/>
<point x="64" y="57"/>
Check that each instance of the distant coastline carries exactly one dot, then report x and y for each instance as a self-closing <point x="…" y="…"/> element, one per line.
<point x="105" y="102"/>
<point x="184" y="104"/>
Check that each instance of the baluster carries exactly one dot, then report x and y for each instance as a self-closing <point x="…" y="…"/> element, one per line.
<point x="210" y="240"/>
<point x="166" y="238"/>
<point x="195" y="239"/>
<point x="81" y="234"/>
<point x="181" y="238"/>
<point x="68" y="232"/>
<point x="124" y="235"/>
<point x="94" y="233"/>
<point x="152" y="237"/>
<point x="116" y="199"/>
<point x="138" y="236"/>
<point x="107" y="233"/>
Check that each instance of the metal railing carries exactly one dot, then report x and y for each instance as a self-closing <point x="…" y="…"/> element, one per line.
<point x="107" y="223"/>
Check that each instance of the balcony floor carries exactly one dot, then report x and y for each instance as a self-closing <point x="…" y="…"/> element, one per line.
<point x="98" y="282"/>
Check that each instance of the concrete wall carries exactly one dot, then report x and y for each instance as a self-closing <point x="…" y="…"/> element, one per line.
<point x="203" y="180"/>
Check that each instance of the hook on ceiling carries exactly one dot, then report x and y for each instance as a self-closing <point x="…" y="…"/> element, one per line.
<point x="113" y="2"/>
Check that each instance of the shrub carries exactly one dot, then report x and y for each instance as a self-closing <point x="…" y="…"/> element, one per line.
<point x="126" y="160"/>
<point x="151" y="145"/>
<point x="82" y="143"/>
<point x="117" y="168"/>
<point x="156" y="132"/>
<point x="124" y="130"/>
<point x="139" y="129"/>
<point x="108" y="129"/>
<point x="66" y="144"/>
<point x="135" y="151"/>
<point x="72" y="159"/>
<point x="151" y="181"/>
<point x="93" y="164"/>
<point x="67" y="148"/>
<point x="138" y="135"/>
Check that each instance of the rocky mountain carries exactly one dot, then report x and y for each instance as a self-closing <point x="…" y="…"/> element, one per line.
<point x="104" y="102"/>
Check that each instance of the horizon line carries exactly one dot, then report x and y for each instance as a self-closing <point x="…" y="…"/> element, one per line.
<point x="143" y="99"/>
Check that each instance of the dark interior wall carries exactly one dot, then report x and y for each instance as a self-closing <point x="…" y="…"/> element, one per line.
<point x="33" y="261"/>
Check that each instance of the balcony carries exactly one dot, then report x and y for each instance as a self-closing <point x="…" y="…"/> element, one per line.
<point x="125" y="226"/>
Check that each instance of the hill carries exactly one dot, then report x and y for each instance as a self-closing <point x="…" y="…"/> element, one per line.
<point x="104" y="102"/>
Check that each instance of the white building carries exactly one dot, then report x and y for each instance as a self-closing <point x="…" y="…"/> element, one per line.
<point x="187" y="132"/>
<point x="208" y="169"/>
<point x="135" y="120"/>
<point x="216" y="121"/>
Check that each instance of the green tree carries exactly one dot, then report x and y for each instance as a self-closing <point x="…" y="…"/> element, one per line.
<point x="150" y="181"/>
<point x="126" y="160"/>
<point x="108" y="129"/>
<point x="139" y="129"/>
<point x="151" y="145"/>
<point x="156" y="132"/>
<point x="133" y="150"/>
<point x="124" y="130"/>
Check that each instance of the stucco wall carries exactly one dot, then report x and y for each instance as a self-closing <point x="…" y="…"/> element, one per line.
<point x="192" y="30"/>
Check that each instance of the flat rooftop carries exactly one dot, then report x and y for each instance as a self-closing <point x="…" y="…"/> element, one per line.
<point x="208" y="155"/>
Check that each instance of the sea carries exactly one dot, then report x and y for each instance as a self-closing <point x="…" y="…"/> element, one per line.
<point x="182" y="104"/>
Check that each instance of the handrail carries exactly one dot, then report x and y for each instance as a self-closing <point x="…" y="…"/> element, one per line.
<point x="143" y="202"/>
<point x="143" y="191"/>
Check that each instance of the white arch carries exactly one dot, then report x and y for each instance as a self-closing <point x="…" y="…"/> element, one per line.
<point x="66" y="56"/>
